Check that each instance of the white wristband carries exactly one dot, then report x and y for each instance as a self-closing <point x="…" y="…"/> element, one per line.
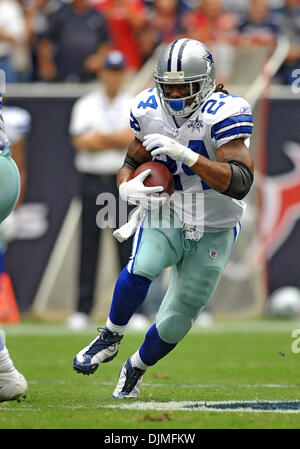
<point x="190" y="157"/>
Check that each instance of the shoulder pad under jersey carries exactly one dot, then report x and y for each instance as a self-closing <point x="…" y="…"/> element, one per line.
<point x="145" y="114"/>
<point x="229" y="117"/>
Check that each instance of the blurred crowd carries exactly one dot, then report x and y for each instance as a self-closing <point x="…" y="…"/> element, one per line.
<point x="67" y="40"/>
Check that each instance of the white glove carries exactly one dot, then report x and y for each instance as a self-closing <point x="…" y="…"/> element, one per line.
<point x="135" y="192"/>
<point x="166" y="145"/>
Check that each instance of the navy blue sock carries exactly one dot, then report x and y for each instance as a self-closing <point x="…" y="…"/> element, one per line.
<point x="154" y="348"/>
<point x="129" y="294"/>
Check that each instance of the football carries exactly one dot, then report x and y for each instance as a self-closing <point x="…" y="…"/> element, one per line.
<point x="160" y="176"/>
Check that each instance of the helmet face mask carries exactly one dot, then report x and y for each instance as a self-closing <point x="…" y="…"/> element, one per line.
<point x="196" y="72"/>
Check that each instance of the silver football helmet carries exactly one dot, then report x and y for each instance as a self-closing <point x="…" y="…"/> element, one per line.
<point x="185" y="61"/>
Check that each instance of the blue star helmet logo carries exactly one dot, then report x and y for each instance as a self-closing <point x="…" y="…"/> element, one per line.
<point x="209" y="58"/>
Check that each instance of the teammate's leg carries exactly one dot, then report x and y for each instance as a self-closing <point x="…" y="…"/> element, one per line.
<point x="13" y="385"/>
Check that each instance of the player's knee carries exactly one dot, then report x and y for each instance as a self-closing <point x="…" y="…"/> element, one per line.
<point x="175" y="321"/>
<point x="195" y="294"/>
<point x="174" y="327"/>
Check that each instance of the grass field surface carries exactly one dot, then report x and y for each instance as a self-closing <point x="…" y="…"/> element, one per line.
<point x="233" y="375"/>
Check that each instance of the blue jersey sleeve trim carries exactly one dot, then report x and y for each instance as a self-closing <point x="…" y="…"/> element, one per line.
<point x="230" y="121"/>
<point x="247" y="130"/>
<point x="134" y="124"/>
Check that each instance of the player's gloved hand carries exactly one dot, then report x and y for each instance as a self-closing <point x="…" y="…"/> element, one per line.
<point x="135" y="192"/>
<point x="159" y="144"/>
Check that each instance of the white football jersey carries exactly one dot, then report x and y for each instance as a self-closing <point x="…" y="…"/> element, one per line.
<point x="221" y="118"/>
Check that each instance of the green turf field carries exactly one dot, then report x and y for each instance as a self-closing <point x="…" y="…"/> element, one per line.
<point x="242" y="365"/>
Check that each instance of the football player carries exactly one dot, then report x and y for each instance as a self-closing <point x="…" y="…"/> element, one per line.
<point x="13" y="384"/>
<point x="202" y="133"/>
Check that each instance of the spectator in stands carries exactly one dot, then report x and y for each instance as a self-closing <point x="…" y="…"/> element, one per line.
<point x="13" y="37"/>
<point x="183" y="5"/>
<point x="209" y="22"/>
<point x="163" y="25"/>
<point x="214" y="26"/>
<point x="165" y="20"/>
<point x="239" y="7"/>
<point x="124" y="18"/>
<point x="37" y="13"/>
<point x="258" y="27"/>
<point x="74" y="44"/>
<point x="289" y="25"/>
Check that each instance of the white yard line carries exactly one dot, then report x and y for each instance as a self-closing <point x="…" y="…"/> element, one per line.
<point x="187" y="406"/>
<point x="171" y="385"/>
<point x="213" y="406"/>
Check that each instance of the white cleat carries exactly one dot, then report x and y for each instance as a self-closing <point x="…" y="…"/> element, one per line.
<point x="129" y="382"/>
<point x="13" y="385"/>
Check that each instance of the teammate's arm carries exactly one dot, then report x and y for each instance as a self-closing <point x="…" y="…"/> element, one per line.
<point x="136" y="155"/>
<point x="232" y="172"/>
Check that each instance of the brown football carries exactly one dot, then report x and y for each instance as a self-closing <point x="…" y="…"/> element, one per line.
<point x="160" y="176"/>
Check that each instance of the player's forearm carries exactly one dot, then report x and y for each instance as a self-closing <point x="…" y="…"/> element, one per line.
<point x="136" y="155"/>
<point x="233" y="178"/>
<point x="124" y="175"/>
<point x="216" y="174"/>
<point x="231" y="173"/>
